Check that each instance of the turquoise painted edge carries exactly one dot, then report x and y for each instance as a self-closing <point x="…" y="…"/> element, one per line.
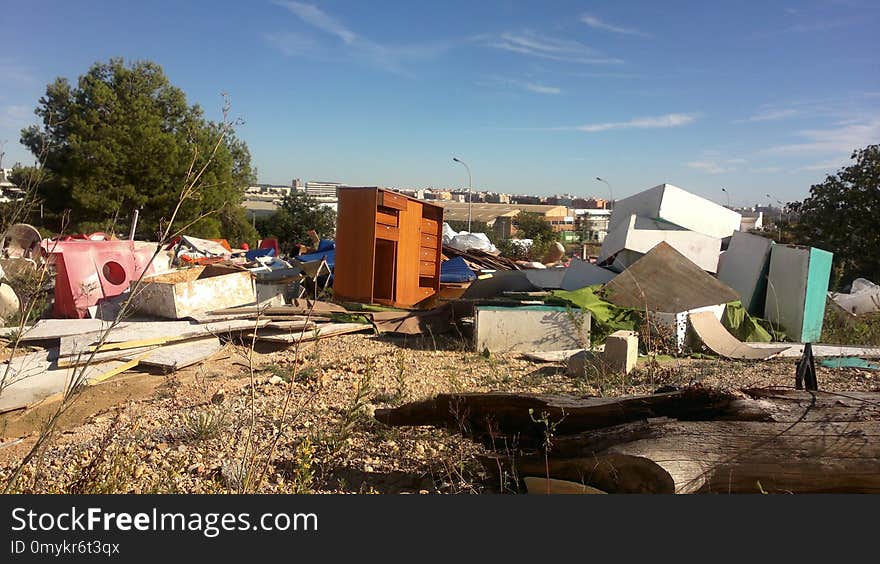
<point x="818" y="276"/>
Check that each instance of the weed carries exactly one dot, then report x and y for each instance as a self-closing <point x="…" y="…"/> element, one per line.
<point x="204" y="423"/>
<point x="842" y="328"/>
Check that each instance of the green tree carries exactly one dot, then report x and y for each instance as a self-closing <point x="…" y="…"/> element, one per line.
<point x="533" y="226"/>
<point x="298" y="214"/>
<point x="841" y="216"/>
<point x="124" y="138"/>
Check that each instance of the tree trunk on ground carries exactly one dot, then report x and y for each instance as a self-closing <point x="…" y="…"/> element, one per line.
<point x="684" y="442"/>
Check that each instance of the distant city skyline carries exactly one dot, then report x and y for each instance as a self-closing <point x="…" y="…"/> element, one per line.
<point x="537" y="99"/>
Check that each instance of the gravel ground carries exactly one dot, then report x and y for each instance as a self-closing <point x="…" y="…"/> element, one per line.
<point x="210" y="429"/>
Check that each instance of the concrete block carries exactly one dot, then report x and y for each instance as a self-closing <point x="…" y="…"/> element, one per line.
<point x="671" y="203"/>
<point x="621" y="351"/>
<point x="797" y="288"/>
<point x="532" y="328"/>
<point x="744" y="268"/>
<point x="638" y="235"/>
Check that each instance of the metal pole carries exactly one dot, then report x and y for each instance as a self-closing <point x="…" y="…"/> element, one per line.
<point x="134" y="222"/>
<point x="610" y="192"/>
<point x="456" y="159"/>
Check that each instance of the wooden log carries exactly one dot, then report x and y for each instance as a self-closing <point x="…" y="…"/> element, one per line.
<point x="723" y="457"/>
<point x="491" y="415"/>
<point x="692" y="441"/>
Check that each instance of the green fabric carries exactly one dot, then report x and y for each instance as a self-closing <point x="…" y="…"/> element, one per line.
<point x="747" y="328"/>
<point x="606" y="317"/>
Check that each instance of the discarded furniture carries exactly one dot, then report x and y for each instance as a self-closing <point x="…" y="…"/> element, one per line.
<point x="179" y="294"/>
<point x="674" y="205"/>
<point x="631" y="239"/>
<point x="744" y="268"/>
<point x="530" y="328"/>
<point x="88" y="271"/>
<point x="387" y="247"/>
<point x="797" y="289"/>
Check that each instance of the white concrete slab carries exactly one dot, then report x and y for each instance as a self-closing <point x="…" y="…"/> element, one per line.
<point x="532" y="328"/>
<point x="675" y="205"/>
<point x="641" y="234"/>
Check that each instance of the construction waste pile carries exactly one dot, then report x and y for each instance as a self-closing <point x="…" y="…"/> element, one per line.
<point x="674" y="268"/>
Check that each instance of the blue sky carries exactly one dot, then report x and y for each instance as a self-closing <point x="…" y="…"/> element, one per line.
<point x="537" y="97"/>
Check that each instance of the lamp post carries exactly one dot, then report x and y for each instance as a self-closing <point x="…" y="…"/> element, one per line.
<point x="610" y="192"/>
<point x="728" y="196"/>
<point x="468" y="169"/>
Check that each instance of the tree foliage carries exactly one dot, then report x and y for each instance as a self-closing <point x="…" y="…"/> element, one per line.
<point x="123" y="138"/>
<point x="841" y="216"/>
<point x="533" y="226"/>
<point x="299" y="212"/>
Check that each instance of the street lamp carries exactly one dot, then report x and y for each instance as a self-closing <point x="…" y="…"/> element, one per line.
<point x="456" y="159"/>
<point x="728" y="196"/>
<point x="610" y="193"/>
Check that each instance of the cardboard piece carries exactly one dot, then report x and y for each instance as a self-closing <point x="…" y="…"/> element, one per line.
<point x="797" y="290"/>
<point x="714" y="335"/>
<point x="530" y="328"/>
<point x="664" y="280"/>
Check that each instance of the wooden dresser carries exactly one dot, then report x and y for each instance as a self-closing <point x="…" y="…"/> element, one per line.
<point x="387" y="247"/>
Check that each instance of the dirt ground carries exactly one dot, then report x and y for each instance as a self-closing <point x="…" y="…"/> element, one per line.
<point x="211" y="428"/>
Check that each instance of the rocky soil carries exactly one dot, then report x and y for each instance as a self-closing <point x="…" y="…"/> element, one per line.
<point x="301" y="421"/>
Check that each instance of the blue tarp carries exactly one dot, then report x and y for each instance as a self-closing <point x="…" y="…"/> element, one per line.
<point x="456" y="270"/>
<point x="326" y="249"/>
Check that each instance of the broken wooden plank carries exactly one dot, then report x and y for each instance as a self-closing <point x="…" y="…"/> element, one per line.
<point x="319" y="332"/>
<point x="176" y="356"/>
<point x="34" y="378"/>
<point x="536" y="485"/>
<point x="796" y="350"/>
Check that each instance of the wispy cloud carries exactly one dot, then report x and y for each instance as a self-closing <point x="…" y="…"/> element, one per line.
<point x="769" y="115"/>
<point x="528" y="43"/>
<point x="13" y="116"/>
<point x="657" y="122"/>
<point x="541" y="89"/>
<point x="828" y="165"/>
<point x="14" y="73"/>
<point x="710" y="167"/>
<point x="597" y="23"/>
<point x="766" y="169"/>
<point x="351" y="45"/>
<point x="716" y="166"/>
<point x="842" y="139"/>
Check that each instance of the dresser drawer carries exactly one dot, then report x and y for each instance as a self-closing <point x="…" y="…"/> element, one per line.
<point x="386" y="232"/>
<point x="427" y="268"/>
<point x="429" y="241"/>
<point x="427" y="253"/>
<point x="386" y="218"/>
<point x="429" y="226"/>
<point x="392" y="200"/>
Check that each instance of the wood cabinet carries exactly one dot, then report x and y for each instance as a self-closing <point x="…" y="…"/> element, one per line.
<point x="387" y="247"/>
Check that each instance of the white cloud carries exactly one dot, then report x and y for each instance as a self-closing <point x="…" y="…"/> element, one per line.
<point x="316" y="17"/>
<point x="596" y="23"/>
<point x="842" y="139"/>
<point x="353" y="46"/>
<point x="769" y="115"/>
<point x="541" y="89"/>
<point x="548" y="48"/>
<point x="766" y="169"/>
<point x="668" y="120"/>
<point x="711" y="167"/>
<point x="829" y="166"/>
